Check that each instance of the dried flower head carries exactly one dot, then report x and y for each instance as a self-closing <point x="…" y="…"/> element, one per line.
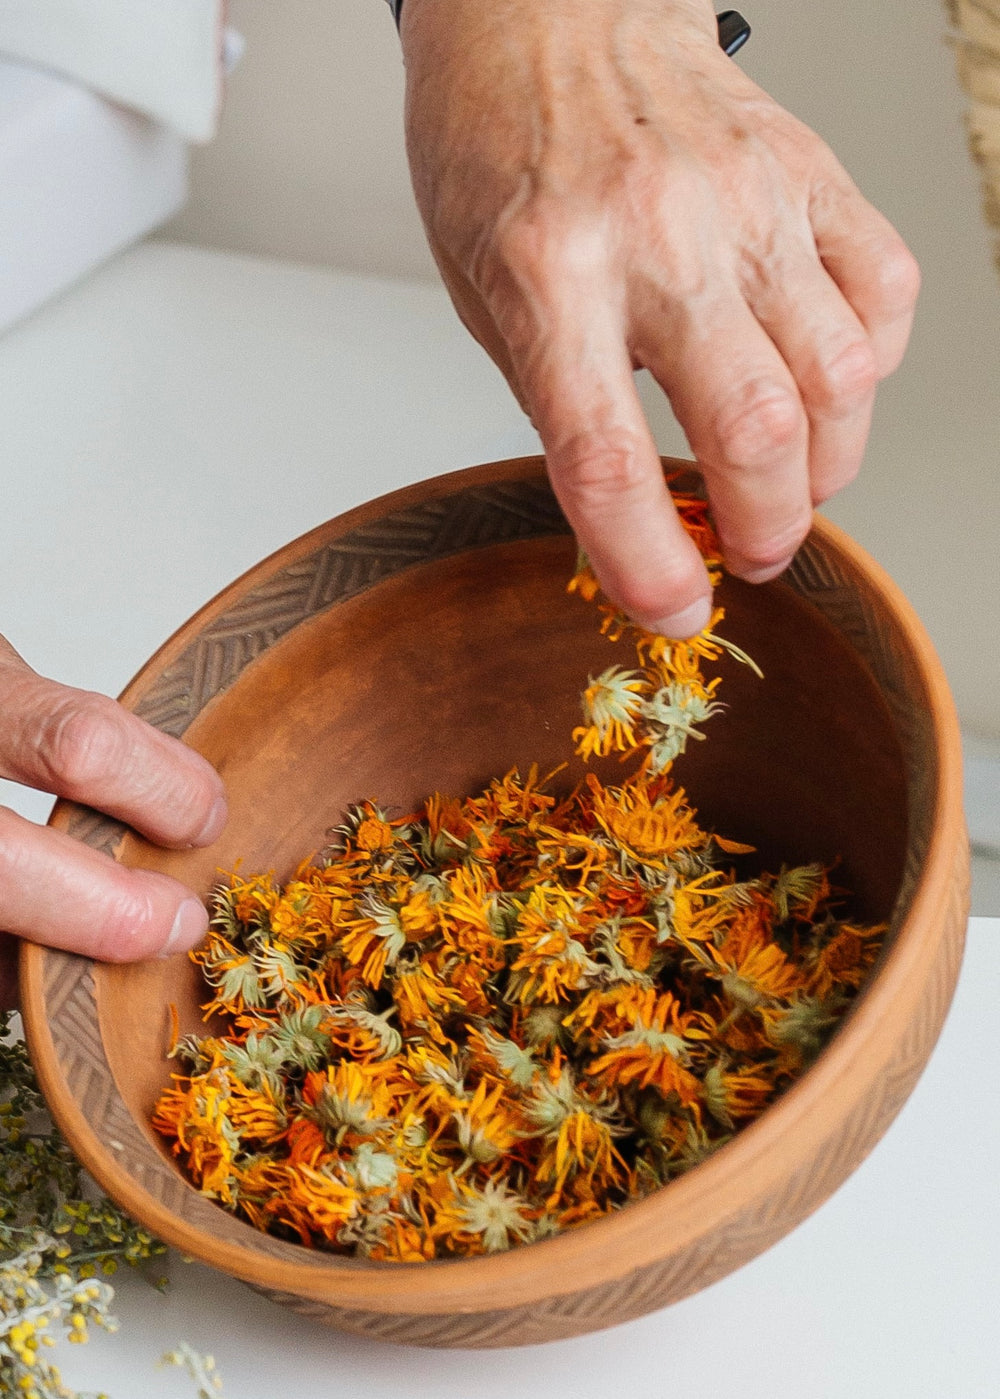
<point x="504" y="1015"/>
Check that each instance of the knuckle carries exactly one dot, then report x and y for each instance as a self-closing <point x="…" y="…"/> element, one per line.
<point x="543" y="244"/>
<point x="598" y="473"/>
<point x="899" y="278"/>
<point x="771" y="552"/>
<point x="82" y="742"/>
<point x="128" y="928"/>
<point x="520" y="243"/>
<point x="761" y="423"/>
<point x="843" y="380"/>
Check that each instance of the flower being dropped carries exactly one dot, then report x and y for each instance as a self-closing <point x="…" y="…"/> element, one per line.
<point x="671" y="717"/>
<point x="611" y="704"/>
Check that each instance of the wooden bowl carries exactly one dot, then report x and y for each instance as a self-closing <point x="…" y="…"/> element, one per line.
<point x="425" y="641"/>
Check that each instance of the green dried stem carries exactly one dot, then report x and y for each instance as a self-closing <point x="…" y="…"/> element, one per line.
<point x="59" y="1239"/>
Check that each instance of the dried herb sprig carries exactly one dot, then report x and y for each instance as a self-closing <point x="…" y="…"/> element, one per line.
<point x="201" y="1368"/>
<point x="59" y="1238"/>
<point x="503" y="1016"/>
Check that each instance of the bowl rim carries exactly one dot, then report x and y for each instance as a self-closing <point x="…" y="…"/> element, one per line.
<point x="695" y="1206"/>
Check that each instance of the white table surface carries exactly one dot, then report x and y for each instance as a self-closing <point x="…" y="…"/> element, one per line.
<point x="172" y="420"/>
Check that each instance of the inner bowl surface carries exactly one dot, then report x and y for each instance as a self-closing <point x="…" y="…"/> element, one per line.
<point x="426" y="642"/>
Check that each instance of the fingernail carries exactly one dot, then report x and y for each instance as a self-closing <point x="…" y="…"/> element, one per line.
<point x="687" y="623"/>
<point x="215" y="824"/>
<point x="190" y="926"/>
<point x="762" y="575"/>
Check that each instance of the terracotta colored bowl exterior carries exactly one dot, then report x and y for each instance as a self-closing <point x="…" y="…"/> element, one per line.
<point x="425" y="641"/>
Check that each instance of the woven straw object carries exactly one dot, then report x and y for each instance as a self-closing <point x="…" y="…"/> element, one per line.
<point x="977" y="45"/>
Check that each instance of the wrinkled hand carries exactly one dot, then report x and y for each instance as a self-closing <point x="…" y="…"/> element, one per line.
<point x="604" y="189"/>
<point x="56" y="891"/>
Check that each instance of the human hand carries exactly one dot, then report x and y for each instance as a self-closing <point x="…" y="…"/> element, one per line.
<point x="56" y="891"/>
<point x="604" y="189"/>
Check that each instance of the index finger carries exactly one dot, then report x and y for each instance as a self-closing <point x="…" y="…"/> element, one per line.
<point x="607" y="473"/>
<point x="87" y="748"/>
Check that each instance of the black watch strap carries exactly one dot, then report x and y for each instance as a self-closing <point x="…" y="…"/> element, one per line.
<point x="733" y="28"/>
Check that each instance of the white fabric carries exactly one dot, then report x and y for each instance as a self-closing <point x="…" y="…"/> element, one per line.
<point x="162" y="57"/>
<point x="80" y="177"/>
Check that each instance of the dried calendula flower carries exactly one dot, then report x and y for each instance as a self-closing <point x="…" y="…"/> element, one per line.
<point x="504" y="1015"/>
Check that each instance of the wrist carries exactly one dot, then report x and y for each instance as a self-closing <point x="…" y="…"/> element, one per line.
<point x="732" y="29"/>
